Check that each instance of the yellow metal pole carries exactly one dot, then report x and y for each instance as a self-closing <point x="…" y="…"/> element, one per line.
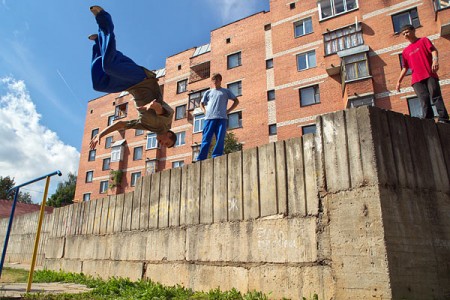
<point x="38" y="233"/>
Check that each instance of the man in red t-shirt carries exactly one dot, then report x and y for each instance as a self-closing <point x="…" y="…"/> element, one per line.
<point x="422" y="58"/>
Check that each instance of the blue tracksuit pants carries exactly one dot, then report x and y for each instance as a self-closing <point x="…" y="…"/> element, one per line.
<point x="217" y="127"/>
<point x="111" y="71"/>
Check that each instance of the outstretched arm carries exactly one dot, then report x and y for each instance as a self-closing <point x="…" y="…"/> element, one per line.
<point x="121" y="125"/>
<point x="156" y="106"/>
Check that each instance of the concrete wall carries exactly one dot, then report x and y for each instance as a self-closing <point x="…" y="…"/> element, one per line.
<point x="359" y="210"/>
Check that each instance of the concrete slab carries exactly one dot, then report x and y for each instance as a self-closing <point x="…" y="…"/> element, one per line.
<point x="267" y="178"/>
<point x="221" y="189"/>
<point x="175" y="197"/>
<point x="235" y="201"/>
<point x="206" y="193"/>
<point x="250" y="183"/>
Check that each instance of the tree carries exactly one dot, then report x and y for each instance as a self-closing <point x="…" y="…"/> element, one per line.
<point x="6" y="183"/>
<point x="231" y="144"/>
<point x="64" y="193"/>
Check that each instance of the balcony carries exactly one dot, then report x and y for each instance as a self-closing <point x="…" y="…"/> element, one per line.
<point x="200" y="71"/>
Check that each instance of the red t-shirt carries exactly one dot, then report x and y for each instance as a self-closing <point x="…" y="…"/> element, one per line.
<point x="417" y="57"/>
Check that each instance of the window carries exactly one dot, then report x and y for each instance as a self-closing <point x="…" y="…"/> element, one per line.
<point x="134" y="177"/>
<point x="306" y="60"/>
<point x="330" y="8"/>
<point x="179" y="67"/>
<point x="303" y="27"/>
<point x="195" y="98"/>
<point x="234" y="60"/>
<point x="272" y="129"/>
<point x="108" y="142"/>
<point x="177" y="164"/>
<point x="195" y="152"/>
<point x="292" y="5"/>
<point x="103" y="187"/>
<point x="199" y="123"/>
<point x="106" y="164"/>
<point x="407" y="17"/>
<point x="138" y="132"/>
<point x="309" y="95"/>
<point x="87" y="197"/>
<point x="152" y="142"/>
<point x="267" y="27"/>
<point x="271" y="95"/>
<point x="91" y="155"/>
<point x="235" y="88"/>
<point x="356" y="66"/>
<point x="151" y="166"/>
<point x="180" y="112"/>
<point x="400" y="57"/>
<point x="269" y="63"/>
<point x="137" y="153"/>
<point x="235" y="120"/>
<point x="181" y="86"/>
<point x="308" y="129"/>
<point x="89" y="176"/>
<point x="110" y="120"/>
<point x="441" y="4"/>
<point x="116" y="153"/>
<point x="228" y="40"/>
<point x="415" y="109"/>
<point x="180" y="138"/>
<point x="200" y="71"/>
<point x="344" y="38"/>
<point x="121" y="111"/>
<point x="361" y="101"/>
<point x="94" y="133"/>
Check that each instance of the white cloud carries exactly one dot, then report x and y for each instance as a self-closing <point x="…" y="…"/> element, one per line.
<point x="232" y="10"/>
<point x="29" y="149"/>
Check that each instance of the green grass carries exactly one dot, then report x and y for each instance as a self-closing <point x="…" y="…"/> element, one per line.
<point x="11" y="275"/>
<point x="120" y="288"/>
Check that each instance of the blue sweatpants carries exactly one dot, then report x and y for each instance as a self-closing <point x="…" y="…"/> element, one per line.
<point x="217" y="127"/>
<point x="111" y="71"/>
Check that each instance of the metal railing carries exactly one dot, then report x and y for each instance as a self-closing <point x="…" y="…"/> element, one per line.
<point x="41" y="215"/>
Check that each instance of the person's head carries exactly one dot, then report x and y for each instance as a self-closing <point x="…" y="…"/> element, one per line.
<point x="216" y="79"/>
<point x="408" y="32"/>
<point x="167" y="139"/>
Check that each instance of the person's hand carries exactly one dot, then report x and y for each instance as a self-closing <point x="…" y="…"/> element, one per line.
<point x="397" y="87"/>
<point x="95" y="140"/>
<point x="435" y="66"/>
<point x="143" y="108"/>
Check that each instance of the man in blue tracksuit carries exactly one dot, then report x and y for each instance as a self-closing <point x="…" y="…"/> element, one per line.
<point x="114" y="72"/>
<point x="214" y="105"/>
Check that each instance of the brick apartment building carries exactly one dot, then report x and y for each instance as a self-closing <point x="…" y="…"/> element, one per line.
<point x="299" y="60"/>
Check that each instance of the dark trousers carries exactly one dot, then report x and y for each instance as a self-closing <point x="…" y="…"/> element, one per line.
<point x="429" y="93"/>
<point x="111" y="71"/>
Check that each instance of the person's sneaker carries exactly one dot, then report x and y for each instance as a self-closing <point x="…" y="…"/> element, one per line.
<point x="95" y="9"/>
<point x="444" y="121"/>
<point x="93" y="37"/>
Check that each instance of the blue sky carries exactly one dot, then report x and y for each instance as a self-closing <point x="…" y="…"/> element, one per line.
<point x="44" y="68"/>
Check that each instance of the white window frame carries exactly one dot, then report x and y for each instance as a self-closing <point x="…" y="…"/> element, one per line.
<point x="151" y="166"/>
<point x="303" y="23"/>
<point x="177" y="164"/>
<point x="181" y="138"/>
<point x="333" y="9"/>
<point x="306" y="55"/>
<point x="116" y="153"/>
<point x="86" y="195"/>
<point x="199" y="122"/>
<point x="343" y="38"/>
<point x="195" y="152"/>
<point x="153" y="141"/>
<point x="182" y="86"/>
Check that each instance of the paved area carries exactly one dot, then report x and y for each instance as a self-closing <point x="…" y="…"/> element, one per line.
<point x="17" y="290"/>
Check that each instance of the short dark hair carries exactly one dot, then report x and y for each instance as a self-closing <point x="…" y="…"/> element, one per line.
<point x="216" y="76"/>
<point x="406" y="27"/>
<point x="173" y="137"/>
